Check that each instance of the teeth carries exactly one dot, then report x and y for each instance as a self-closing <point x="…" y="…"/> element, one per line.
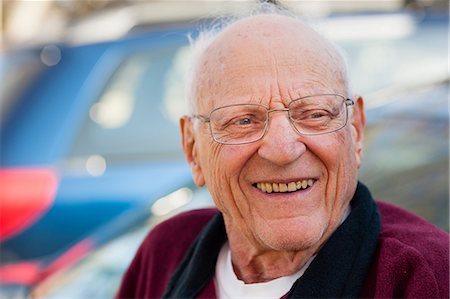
<point x="304" y="184"/>
<point x="292" y="187"/>
<point x="275" y="188"/>
<point x="281" y="187"/>
<point x="263" y="187"/>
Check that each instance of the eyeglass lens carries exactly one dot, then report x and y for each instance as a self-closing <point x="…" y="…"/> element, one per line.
<point x="244" y="123"/>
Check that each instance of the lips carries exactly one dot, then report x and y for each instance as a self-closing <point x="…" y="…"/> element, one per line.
<point x="285" y="187"/>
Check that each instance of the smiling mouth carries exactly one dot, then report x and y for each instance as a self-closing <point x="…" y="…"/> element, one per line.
<point x="284" y="188"/>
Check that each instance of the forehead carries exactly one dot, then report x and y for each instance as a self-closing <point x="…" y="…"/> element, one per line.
<point x="266" y="57"/>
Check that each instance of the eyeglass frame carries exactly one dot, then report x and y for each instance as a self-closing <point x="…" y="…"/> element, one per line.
<point x="346" y="101"/>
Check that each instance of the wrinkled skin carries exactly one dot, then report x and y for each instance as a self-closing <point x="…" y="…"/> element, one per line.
<point x="273" y="60"/>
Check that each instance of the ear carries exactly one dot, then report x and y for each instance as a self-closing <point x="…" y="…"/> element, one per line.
<point x="190" y="149"/>
<point x="358" y="124"/>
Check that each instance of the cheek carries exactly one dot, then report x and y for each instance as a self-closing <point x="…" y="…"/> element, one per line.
<point x="337" y="155"/>
<point x="336" y="151"/>
<point x="222" y="166"/>
<point x="344" y="146"/>
<point x="345" y="158"/>
<point x="332" y="149"/>
<point x="343" y="170"/>
<point x="211" y="157"/>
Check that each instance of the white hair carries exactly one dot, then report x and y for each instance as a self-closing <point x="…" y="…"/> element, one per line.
<point x="207" y="35"/>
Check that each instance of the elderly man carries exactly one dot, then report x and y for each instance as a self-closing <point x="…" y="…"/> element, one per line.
<point x="276" y="136"/>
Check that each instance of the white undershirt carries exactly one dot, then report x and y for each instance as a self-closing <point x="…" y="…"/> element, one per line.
<point x="229" y="286"/>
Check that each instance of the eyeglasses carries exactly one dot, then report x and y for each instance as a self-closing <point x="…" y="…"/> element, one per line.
<point x="246" y="123"/>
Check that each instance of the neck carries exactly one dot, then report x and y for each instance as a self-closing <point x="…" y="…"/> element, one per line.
<point x="253" y="263"/>
<point x="253" y="266"/>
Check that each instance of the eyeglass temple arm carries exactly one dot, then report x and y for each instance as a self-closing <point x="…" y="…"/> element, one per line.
<point x="201" y="118"/>
<point x="349" y="102"/>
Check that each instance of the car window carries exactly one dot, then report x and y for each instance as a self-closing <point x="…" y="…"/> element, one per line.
<point x="17" y="71"/>
<point x="135" y="118"/>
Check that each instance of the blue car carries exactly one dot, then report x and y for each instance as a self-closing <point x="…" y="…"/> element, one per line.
<point x="91" y="135"/>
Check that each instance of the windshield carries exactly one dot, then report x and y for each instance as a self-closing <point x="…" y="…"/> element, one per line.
<point x="136" y="115"/>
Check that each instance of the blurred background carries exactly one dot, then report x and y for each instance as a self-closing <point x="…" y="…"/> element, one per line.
<point x="90" y="153"/>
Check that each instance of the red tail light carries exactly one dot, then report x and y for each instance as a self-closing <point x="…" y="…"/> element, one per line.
<point x="25" y="194"/>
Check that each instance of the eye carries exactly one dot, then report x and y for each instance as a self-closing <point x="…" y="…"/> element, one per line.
<point x="312" y="115"/>
<point x="316" y="114"/>
<point x="239" y="118"/>
<point x="244" y="121"/>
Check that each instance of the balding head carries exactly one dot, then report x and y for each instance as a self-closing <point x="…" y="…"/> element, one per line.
<point x="283" y="46"/>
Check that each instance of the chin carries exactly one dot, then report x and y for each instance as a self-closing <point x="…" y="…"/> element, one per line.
<point x="292" y="236"/>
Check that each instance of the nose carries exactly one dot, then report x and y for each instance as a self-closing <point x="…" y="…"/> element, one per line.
<point x="281" y="145"/>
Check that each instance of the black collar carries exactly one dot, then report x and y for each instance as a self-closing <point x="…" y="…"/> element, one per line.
<point x="338" y="270"/>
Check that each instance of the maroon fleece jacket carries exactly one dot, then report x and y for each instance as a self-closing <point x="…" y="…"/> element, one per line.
<point x="411" y="259"/>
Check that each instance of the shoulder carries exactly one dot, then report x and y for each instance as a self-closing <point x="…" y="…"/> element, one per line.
<point x="176" y="234"/>
<point x="180" y="230"/>
<point x="412" y="257"/>
<point x="188" y="223"/>
<point x="399" y="225"/>
<point x="161" y="252"/>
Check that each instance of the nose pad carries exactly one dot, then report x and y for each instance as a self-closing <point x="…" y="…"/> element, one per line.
<point x="281" y="144"/>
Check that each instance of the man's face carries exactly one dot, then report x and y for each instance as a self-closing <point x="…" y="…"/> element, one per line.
<point x="272" y="65"/>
